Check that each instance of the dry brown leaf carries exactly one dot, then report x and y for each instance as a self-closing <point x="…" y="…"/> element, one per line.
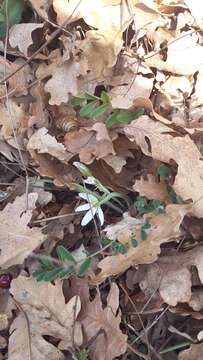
<point x="147" y="104"/>
<point x="17" y="240"/>
<point x="11" y="118"/>
<point x="63" y="174"/>
<point x="20" y="35"/>
<point x="46" y="143"/>
<point x="116" y="162"/>
<point x="48" y="314"/>
<point x="151" y="188"/>
<point x="112" y="342"/>
<point x="164" y="228"/>
<point x="195" y="352"/>
<point x="63" y="83"/>
<point x="162" y="143"/>
<point x="90" y="143"/>
<point x="196" y="301"/>
<point x="196" y="10"/>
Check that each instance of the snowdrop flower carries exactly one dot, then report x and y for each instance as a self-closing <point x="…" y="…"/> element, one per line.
<point x="92" y="208"/>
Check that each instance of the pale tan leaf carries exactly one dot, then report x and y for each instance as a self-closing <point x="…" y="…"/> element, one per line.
<point x="116" y="162"/>
<point x="48" y="314"/>
<point x="46" y="143"/>
<point x="62" y="83"/>
<point x="20" y="35"/>
<point x="164" y="227"/>
<point x="17" y="240"/>
<point x="11" y="118"/>
<point x="151" y="189"/>
<point x="162" y="143"/>
<point x="176" y="286"/>
<point x="196" y="301"/>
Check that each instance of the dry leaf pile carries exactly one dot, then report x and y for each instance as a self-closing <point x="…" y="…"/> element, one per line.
<point x="142" y="296"/>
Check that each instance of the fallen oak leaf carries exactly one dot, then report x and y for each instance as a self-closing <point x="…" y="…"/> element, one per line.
<point x="162" y="143"/>
<point x="46" y="143"/>
<point x="48" y="314"/>
<point x="112" y="342"/>
<point x="164" y="228"/>
<point x="17" y="240"/>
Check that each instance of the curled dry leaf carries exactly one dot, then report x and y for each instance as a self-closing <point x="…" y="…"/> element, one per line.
<point x="164" y="227"/>
<point x="20" y="35"/>
<point x="162" y="143"/>
<point x="151" y="189"/>
<point x="46" y="143"/>
<point x="17" y="240"/>
<point x="48" y="314"/>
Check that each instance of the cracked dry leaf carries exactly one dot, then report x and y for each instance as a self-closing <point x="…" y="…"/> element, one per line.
<point x="46" y="143"/>
<point x="111" y="342"/>
<point x="162" y="143"/>
<point x="164" y="227"/>
<point x="48" y="314"/>
<point x="151" y="188"/>
<point x="20" y="35"/>
<point x="17" y="240"/>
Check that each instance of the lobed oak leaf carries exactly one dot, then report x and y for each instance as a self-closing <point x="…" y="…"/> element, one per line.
<point x="17" y="240"/>
<point x="162" y="143"/>
<point x="111" y="342"/>
<point x="46" y="143"/>
<point x="48" y="314"/>
<point x="163" y="228"/>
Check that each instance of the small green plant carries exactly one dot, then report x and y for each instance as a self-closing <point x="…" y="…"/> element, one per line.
<point x="82" y="355"/>
<point x="151" y="206"/>
<point x="97" y="197"/>
<point x="61" y="268"/>
<point x="167" y="173"/>
<point x="94" y="106"/>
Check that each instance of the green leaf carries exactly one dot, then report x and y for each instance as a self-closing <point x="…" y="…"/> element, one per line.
<point x="39" y="274"/>
<point x="90" y="96"/>
<point x="140" y="204"/>
<point x="47" y="263"/>
<point x="65" y="272"/>
<point x="64" y="254"/>
<point x="127" y="117"/>
<point x="111" y="119"/>
<point x="104" y="97"/>
<point x="144" y="227"/>
<point x="134" y="242"/>
<point x="84" y="266"/>
<point x="164" y="171"/>
<point x="78" y="100"/>
<point x="88" y="108"/>
<point x="14" y="9"/>
<point x="52" y="274"/>
<point x="99" y="111"/>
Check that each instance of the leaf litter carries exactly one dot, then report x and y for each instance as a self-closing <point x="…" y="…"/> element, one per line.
<point x="116" y="88"/>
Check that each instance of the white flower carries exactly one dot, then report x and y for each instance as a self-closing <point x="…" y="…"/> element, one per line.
<point x="92" y="208"/>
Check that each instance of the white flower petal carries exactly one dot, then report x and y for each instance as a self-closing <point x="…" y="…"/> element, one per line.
<point x="100" y="215"/>
<point x="88" y="197"/>
<point x="88" y="217"/>
<point x="82" y="207"/>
